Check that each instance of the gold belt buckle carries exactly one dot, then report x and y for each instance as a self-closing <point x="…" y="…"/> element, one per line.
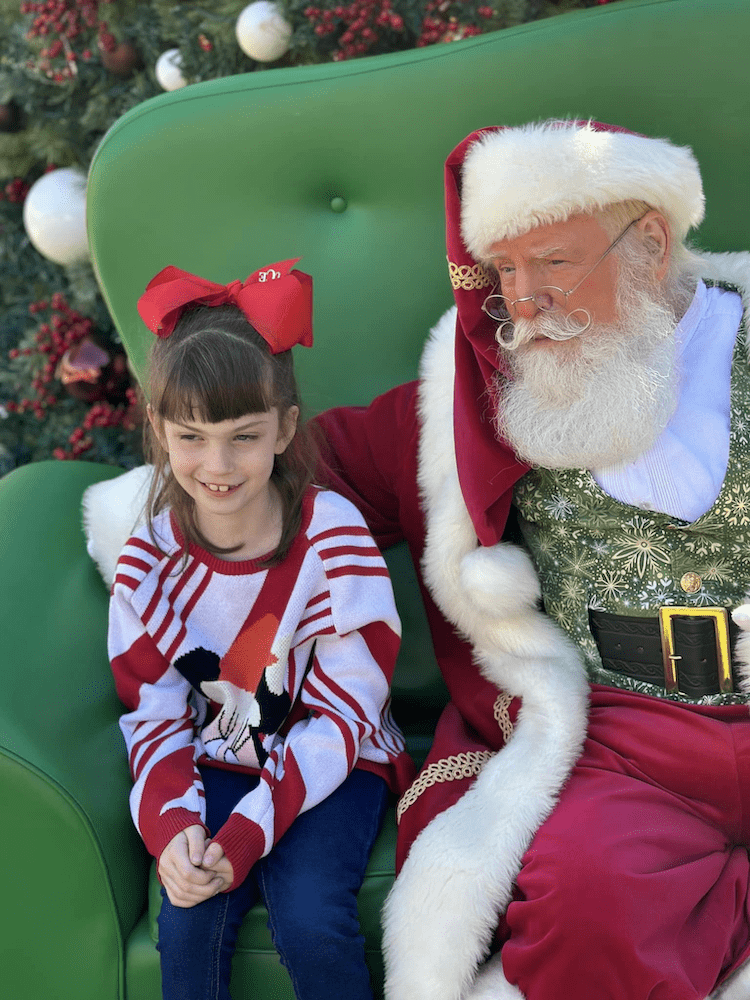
<point x="723" y="651"/>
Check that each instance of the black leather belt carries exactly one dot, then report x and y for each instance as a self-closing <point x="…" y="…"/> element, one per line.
<point x="684" y="649"/>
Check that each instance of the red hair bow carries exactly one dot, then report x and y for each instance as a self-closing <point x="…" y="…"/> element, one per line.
<point x="276" y="300"/>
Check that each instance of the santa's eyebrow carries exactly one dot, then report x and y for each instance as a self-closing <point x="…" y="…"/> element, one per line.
<point x="536" y="253"/>
<point x="554" y="251"/>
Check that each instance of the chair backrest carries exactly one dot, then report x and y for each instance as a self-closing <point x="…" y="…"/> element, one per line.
<point x="342" y="164"/>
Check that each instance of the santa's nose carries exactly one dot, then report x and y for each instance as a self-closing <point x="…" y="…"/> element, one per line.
<point x="525" y="308"/>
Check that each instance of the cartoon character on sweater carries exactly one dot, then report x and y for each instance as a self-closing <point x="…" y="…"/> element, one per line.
<point x="246" y="689"/>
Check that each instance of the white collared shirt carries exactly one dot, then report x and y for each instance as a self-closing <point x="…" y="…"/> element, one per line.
<point x="682" y="472"/>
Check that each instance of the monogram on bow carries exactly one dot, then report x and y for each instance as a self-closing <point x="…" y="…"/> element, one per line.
<point x="276" y="300"/>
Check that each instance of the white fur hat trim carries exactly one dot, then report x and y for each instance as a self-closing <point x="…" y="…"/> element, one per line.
<point x="517" y="179"/>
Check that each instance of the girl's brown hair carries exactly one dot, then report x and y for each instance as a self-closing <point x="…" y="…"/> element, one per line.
<point x="215" y="366"/>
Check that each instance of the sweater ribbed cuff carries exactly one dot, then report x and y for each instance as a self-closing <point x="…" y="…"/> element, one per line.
<point x="243" y="842"/>
<point x="172" y="822"/>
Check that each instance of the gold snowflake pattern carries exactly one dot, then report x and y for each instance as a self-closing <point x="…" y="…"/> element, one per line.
<point x="578" y="562"/>
<point x="612" y="585"/>
<point x="737" y="504"/>
<point x="640" y="549"/>
<point x="572" y="591"/>
<point x="719" y="570"/>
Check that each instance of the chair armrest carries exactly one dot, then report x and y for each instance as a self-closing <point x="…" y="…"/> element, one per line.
<point x="72" y="864"/>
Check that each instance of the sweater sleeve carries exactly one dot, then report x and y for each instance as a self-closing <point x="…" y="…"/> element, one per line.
<point x="167" y="794"/>
<point x="345" y="699"/>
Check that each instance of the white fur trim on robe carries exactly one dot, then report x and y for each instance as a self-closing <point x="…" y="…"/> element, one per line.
<point x="441" y="915"/>
<point x="111" y="511"/>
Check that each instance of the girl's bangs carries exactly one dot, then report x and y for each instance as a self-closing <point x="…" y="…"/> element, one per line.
<point x="216" y="385"/>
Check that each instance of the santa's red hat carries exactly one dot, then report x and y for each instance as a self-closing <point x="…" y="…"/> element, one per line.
<point x="515" y="179"/>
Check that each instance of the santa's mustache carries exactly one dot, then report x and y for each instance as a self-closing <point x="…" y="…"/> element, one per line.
<point x="552" y="325"/>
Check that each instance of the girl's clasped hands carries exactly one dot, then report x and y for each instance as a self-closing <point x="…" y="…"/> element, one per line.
<point x="192" y="868"/>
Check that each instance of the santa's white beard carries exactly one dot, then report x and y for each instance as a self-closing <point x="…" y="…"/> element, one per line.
<point x="597" y="400"/>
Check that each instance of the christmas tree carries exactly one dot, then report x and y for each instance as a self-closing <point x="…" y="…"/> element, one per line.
<point x="68" y="70"/>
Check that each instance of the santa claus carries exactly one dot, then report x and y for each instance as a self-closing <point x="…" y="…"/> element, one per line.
<point x="579" y="433"/>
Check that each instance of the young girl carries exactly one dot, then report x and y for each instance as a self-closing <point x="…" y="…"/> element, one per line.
<point x="253" y="635"/>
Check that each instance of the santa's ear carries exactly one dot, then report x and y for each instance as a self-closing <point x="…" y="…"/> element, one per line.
<point x="658" y="236"/>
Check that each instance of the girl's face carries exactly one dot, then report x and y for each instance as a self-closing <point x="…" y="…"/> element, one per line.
<point x="226" y="467"/>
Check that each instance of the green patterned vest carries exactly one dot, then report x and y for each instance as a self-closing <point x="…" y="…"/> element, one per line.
<point x="593" y="552"/>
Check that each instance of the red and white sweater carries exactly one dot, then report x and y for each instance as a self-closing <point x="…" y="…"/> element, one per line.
<point x="282" y="672"/>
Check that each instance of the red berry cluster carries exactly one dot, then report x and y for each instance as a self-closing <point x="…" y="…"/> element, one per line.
<point x="52" y="339"/>
<point x="65" y="329"/>
<point x="63" y="22"/>
<point x="107" y="41"/>
<point x="363" y="22"/>
<point x="79" y="443"/>
<point x="101" y="414"/>
<point x="438" y="25"/>
<point x="15" y="191"/>
<point x="104" y="414"/>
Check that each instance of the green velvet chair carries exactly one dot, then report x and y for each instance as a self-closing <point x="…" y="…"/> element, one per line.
<point x="342" y="165"/>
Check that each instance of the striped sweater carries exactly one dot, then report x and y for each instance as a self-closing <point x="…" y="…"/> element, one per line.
<point x="282" y="672"/>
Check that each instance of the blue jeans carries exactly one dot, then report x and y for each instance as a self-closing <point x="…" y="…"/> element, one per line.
<point x="309" y="884"/>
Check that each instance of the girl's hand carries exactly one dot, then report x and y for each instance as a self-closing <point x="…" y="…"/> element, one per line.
<point x="179" y="866"/>
<point x="216" y="861"/>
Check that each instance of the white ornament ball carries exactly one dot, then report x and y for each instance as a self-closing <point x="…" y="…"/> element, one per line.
<point x="168" y="70"/>
<point x="262" y="32"/>
<point x="54" y="215"/>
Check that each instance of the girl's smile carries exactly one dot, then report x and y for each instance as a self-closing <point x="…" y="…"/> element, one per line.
<point x="215" y="488"/>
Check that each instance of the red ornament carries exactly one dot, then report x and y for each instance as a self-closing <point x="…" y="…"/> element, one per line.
<point x="120" y="59"/>
<point x="82" y="363"/>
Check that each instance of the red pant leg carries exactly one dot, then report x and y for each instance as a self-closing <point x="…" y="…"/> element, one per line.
<point x="636" y="888"/>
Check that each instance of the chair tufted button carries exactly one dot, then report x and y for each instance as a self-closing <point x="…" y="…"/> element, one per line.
<point x="691" y="583"/>
<point x="338" y="204"/>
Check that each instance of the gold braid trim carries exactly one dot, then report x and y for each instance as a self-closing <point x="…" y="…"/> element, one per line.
<point x="460" y="765"/>
<point x="468" y="276"/>
<point x="502" y="715"/>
